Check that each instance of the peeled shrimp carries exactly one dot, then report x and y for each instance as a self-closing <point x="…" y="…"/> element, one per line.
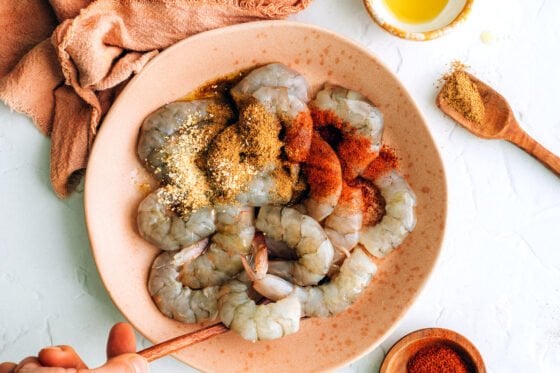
<point x="344" y="224"/>
<point x="399" y="219"/>
<point x="327" y="299"/>
<point x="302" y="233"/>
<point x="200" y="120"/>
<point x="283" y="92"/>
<point x="257" y="322"/>
<point x="235" y="229"/>
<point x="172" y="297"/>
<point x="271" y="75"/>
<point x="163" y="227"/>
<point x="324" y="177"/>
<point x="360" y="122"/>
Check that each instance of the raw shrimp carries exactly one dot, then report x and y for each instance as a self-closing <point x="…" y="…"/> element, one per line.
<point x="302" y="233"/>
<point x="257" y="322"/>
<point x="172" y="297"/>
<point x="234" y="233"/>
<point x="272" y="75"/>
<point x="359" y="120"/>
<point x="192" y="123"/>
<point x="344" y="224"/>
<point x="399" y="219"/>
<point x="323" y="300"/>
<point x="266" y="186"/>
<point x="324" y="177"/>
<point x="283" y="92"/>
<point x="159" y="224"/>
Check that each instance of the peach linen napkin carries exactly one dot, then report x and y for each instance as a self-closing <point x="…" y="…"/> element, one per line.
<point x="62" y="62"/>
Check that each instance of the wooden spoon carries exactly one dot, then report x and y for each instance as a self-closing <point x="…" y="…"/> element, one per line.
<point x="499" y="123"/>
<point x="178" y="343"/>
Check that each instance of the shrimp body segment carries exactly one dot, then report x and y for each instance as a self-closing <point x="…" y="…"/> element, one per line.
<point x="399" y="219"/>
<point x="359" y="120"/>
<point x="303" y="234"/>
<point x="163" y="227"/>
<point x="172" y="297"/>
<point x="272" y="75"/>
<point x="344" y="224"/>
<point x="222" y="260"/>
<point x="257" y="322"/>
<point x="324" y="176"/>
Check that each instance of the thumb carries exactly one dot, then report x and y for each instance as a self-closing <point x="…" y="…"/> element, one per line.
<point x="125" y="363"/>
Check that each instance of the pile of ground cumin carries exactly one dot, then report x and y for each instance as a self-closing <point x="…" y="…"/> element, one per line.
<point x="462" y="95"/>
<point x="246" y="149"/>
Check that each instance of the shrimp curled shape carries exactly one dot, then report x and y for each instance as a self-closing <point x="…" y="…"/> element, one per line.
<point x="399" y="219"/>
<point x="359" y="120"/>
<point x="198" y="121"/>
<point x="163" y="227"/>
<point x="305" y="235"/>
<point x="327" y="299"/>
<point x="172" y="297"/>
<point x="222" y="260"/>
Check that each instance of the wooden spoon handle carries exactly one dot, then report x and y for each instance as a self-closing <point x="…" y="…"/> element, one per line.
<point x="531" y="146"/>
<point x="175" y="344"/>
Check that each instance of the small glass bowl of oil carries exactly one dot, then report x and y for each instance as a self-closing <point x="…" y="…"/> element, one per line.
<point x="418" y="19"/>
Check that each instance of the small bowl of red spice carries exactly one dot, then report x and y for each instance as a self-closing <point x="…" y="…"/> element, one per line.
<point x="433" y="350"/>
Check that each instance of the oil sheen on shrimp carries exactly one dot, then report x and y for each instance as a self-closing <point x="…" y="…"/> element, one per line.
<point x="305" y="236"/>
<point x="192" y="123"/>
<point x="235" y="229"/>
<point x="327" y="299"/>
<point x="173" y="298"/>
<point x="399" y="219"/>
<point x="163" y="227"/>
<point x="361" y="124"/>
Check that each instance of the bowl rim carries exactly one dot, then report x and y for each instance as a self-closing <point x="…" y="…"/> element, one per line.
<point x="417" y="36"/>
<point x="426" y="333"/>
<point x="89" y="199"/>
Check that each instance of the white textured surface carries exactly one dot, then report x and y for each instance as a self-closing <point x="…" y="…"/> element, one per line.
<point x="498" y="279"/>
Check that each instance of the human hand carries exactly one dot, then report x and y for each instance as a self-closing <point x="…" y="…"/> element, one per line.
<point x="121" y="358"/>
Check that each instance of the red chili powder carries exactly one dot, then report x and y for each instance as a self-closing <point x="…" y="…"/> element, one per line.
<point x="437" y="358"/>
<point x="386" y="161"/>
<point x="353" y="150"/>
<point x="298" y="137"/>
<point x="322" y="168"/>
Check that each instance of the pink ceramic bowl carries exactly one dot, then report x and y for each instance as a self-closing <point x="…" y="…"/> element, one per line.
<point x="116" y="183"/>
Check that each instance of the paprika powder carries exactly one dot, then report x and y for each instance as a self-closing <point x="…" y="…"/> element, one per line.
<point x="437" y="358"/>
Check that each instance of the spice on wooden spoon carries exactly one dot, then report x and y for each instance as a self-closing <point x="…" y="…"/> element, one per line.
<point x="484" y="112"/>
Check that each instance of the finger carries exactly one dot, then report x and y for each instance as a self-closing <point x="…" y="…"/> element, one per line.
<point x="7" y="367"/>
<point x="61" y="356"/>
<point x="121" y="340"/>
<point x="28" y="362"/>
<point x="130" y="363"/>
